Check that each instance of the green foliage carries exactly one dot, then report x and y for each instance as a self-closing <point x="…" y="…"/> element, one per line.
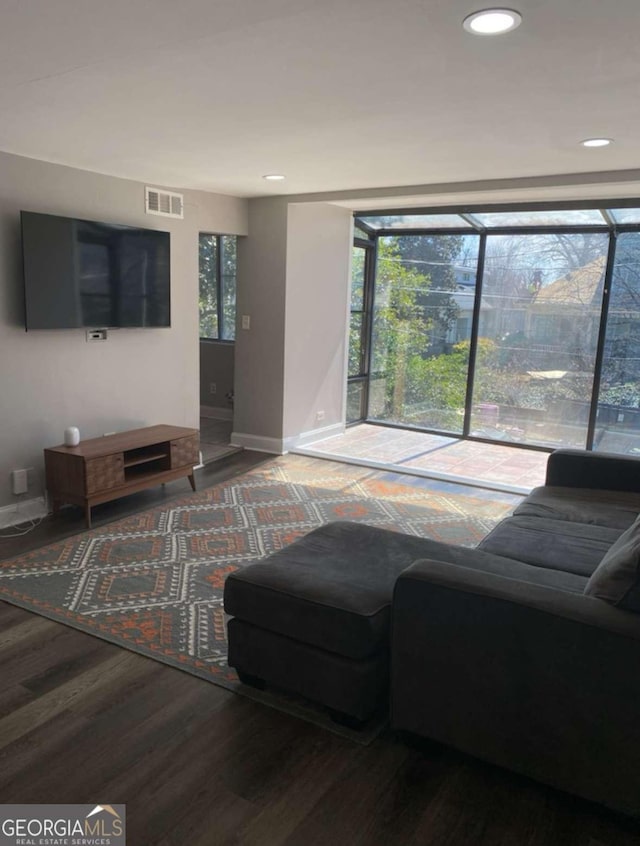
<point x="208" y="287"/>
<point x="435" y="256"/>
<point x="217" y="256"/>
<point x="355" y="345"/>
<point x="437" y="386"/>
<point x="400" y="326"/>
<point x="229" y="262"/>
<point x="623" y="396"/>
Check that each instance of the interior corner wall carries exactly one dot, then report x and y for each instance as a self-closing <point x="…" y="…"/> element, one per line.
<point x="319" y="247"/>
<point x="53" y="379"/>
<point x="259" y="350"/>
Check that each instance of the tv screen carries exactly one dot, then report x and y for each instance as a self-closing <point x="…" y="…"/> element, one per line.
<point x="79" y="273"/>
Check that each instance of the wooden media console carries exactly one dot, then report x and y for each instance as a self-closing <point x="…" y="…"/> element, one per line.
<point x="101" y="469"/>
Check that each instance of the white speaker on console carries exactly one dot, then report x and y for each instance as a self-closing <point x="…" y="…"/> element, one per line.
<point x="72" y="436"/>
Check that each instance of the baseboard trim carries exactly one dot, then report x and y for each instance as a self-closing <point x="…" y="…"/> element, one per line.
<point x="257" y="443"/>
<point x="212" y="412"/>
<point x="305" y="438"/>
<point x="22" y="511"/>
<point x="280" y="446"/>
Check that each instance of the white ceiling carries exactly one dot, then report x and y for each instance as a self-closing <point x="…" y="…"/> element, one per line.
<point x="336" y="94"/>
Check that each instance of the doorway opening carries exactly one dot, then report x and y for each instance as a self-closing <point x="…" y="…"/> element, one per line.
<point x="217" y="271"/>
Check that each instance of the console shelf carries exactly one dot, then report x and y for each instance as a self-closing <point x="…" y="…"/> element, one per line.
<point x="101" y="469"/>
<point x="133" y="462"/>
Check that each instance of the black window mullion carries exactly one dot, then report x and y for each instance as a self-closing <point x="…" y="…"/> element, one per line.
<point x="366" y="311"/>
<point x="219" y="286"/>
<point x="367" y="329"/>
<point x="473" y="345"/>
<point x="604" y="312"/>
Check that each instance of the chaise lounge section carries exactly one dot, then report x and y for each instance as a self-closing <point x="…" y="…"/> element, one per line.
<point x="314" y="617"/>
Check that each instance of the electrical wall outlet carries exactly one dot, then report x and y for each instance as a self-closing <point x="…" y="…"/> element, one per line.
<point x="212" y="387"/>
<point x="246" y="321"/>
<point x="19" y="482"/>
<point x="319" y="415"/>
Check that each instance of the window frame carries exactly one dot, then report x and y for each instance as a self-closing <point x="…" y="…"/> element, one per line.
<point x="365" y="313"/>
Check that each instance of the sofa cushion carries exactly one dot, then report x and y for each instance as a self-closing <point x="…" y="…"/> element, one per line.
<point x="615" y="509"/>
<point x="556" y="544"/>
<point x="617" y="578"/>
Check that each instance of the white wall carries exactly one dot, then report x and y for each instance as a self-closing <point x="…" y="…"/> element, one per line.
<point x="52" y="379"/>
<point x="319" y="247"/>
<point x="259" y="351"/>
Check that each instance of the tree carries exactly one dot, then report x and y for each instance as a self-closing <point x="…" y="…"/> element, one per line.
<point x="208" y="288"/>
<point x="440" y="383"/>
<point x="400" y="326"/>
<point x="435" y="256"/>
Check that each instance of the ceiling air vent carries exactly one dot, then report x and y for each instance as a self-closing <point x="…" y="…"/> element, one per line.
<point x="163" y="203"/>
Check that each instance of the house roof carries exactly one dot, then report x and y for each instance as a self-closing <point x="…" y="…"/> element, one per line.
<point x="577" y="287"/>
<point x="336" y="95"/>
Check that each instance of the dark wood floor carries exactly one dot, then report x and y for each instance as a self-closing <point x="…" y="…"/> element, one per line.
<point x="84" y="721"/>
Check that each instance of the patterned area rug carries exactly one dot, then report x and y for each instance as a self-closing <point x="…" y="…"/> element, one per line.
<point x="153" y="582"/>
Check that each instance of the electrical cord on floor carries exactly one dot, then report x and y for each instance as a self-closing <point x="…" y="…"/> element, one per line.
<point x="17" y="532"/>
<point x="21" y="527"/>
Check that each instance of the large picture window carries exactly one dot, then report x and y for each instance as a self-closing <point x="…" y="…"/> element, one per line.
<point x="217" y="278"/>
<point x="539" y="323"/>
<point x="518" y="325"/>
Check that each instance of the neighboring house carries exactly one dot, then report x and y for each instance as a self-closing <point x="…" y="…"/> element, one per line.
<point x="567" y="310"/>
<point x="464" y="298"/>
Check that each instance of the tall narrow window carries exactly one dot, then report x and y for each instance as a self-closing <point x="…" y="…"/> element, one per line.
<point x="217" y="276"/>
<point x="361" y="290"/>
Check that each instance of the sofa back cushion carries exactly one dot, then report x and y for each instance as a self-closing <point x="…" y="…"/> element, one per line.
<point x="616" y="509"/>
<point x="554" y="544"/>
<point x="616" y="579"/>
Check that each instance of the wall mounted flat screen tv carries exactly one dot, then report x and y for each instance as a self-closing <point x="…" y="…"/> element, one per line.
<point x="84" y="274"/>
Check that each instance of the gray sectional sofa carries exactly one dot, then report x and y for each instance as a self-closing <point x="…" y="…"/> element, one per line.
<point x="524" y="652"/>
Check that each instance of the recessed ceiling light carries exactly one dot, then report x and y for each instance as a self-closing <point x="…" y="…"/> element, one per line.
<point x="492" y="21"/>
<point x="596" y="142"/>
<point x="273" y="177"/>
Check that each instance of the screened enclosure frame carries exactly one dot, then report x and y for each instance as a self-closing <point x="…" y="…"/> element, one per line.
<point x="470" y="223"/>
<point x="361" y="379"/>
